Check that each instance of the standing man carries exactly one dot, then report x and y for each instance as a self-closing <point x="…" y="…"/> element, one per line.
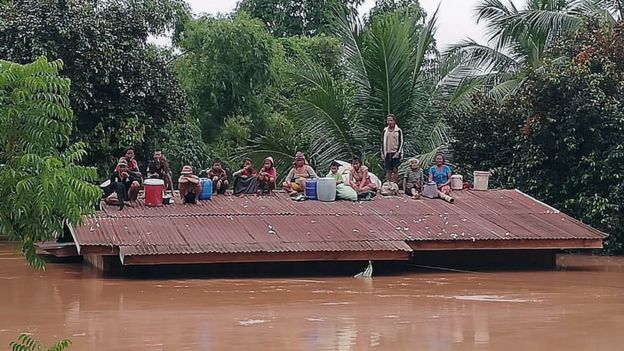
<point x="392" y="149"/>
<point x="159" y="168"/>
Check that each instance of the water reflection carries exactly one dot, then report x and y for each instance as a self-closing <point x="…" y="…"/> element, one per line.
<point x="558" y="310"/>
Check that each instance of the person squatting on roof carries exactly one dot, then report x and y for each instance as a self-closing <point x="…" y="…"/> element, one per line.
<point x="245" y="179"/>
<point x="267" y="176"/>
<point x="126" y="184"/>
<point x="219" y="177"/>
<point x="392" y="149"/>
<point x="189" y="186"/>
<point x="360" y="181"/>
<point x="158" y="168"/>
<point x="296" y="179"/>
<point x="413" y="179"/>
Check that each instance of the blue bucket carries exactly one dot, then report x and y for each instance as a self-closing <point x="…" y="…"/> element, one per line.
<point x="310" y="189"/>
<point x="206" y="186"/>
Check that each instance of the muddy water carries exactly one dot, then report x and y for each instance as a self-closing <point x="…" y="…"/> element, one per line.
<point x="578" y="307"/>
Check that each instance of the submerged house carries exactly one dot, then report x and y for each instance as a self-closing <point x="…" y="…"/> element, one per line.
<point x="496" y="227"/>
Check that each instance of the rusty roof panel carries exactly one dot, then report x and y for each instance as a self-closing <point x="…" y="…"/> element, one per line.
<point x="277" y="224"/>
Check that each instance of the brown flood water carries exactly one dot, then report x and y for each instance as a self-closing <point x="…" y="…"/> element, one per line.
<point x="580" y="306"/>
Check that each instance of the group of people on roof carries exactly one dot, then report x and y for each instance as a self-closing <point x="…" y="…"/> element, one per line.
<point x="127" y="180"/>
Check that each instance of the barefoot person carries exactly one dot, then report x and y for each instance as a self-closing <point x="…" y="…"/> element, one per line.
<point x="392" y="149"/>
<point x="267" y="176"/>
<point x="158" y="168"/>
<point x="360" y="181"/>
<point x="189" y="186"/>
<point x="126" y="185"/>
<point x="440" y="173"/>
<point x="219" y="177"/>
<point x="296" y="178"/>
<point x="413" y="179"/>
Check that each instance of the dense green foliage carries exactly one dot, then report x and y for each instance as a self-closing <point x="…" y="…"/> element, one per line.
<point x="25" y="342"/>
<point x="279" y="76"/>
<point x="285" y="18"/>
<point x="228" y="68"/>
<point x="122" y="92"/>
<point x="559" y="137"/>
<point x="42" y="183"/>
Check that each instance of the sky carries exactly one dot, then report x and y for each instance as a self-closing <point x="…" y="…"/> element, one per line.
<point x="455" y="18"/>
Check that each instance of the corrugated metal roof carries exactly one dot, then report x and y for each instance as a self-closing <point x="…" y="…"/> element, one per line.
<point x="228" y="224"/>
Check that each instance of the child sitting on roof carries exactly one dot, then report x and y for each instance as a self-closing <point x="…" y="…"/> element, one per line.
<point x="413" y="179"/>
<point x="343" y="192"/>
<point x="267" y="176"/>
<point x="189" y="186"/>
<point x="245" y="181"/>
<point x="219" y="177"/>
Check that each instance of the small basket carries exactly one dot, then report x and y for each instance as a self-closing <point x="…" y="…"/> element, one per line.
<point x="481" y="179"/>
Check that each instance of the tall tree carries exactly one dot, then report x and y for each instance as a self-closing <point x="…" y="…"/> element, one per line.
<point x="519" y="37"/>
<point x="42" y="185"/>
<point x="559" y="139"/>
<point x="227" y="68"/>
<point x="386" y="71"/>
<point x="123" y="92"/>
<point x="285" y="18"/>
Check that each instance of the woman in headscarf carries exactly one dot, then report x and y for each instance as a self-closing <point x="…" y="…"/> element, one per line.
<point x="296" y="179"/>
<point x="267" y="176"/>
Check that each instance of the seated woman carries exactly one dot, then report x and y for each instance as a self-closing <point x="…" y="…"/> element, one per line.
<point x="296" y="179"/>
<point x="125" y="183"/>
<point x="360" y="181"/>
<point x="267" y="176"/>
<point x="343" y="192"/>
<point x="441" y="174"/>
<point x="189" y="186"/>
<point x="245" y="181"/>
<point x="413" y="179"/>
<point x="219" y="177"/>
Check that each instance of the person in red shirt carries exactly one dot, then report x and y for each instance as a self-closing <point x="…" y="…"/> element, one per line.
<point x="245" y="180"/>
<point x="219" y="177"/>
<point x="267" y="176"/>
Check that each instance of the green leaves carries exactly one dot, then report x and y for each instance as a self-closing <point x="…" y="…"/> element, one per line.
<point x="25" y="342"/>
<point x="43" y="188"/>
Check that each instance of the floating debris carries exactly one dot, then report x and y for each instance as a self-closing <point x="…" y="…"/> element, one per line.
<point x="355" y="230"/>
<point x="454" y="236"/>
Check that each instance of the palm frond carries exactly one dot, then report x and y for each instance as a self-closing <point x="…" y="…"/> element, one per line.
<point x="483" y="57"/>
<point x="425" y="41"/>
<point x="348" y="30"/>
<point x="389" y="60"/>
<point x="505" y="89"/>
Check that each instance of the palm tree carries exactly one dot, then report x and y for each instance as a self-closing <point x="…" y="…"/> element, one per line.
<point x="519" y="37"/>
<point x="390" y="66"/>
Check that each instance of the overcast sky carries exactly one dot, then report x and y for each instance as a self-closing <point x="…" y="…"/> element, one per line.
<point x="455" y="18"/>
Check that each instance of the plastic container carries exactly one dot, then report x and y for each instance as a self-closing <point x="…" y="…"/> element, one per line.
<point x="481" y="179"/>
<point x="206" y="189"/>
<point x="153" y="189"/>
<point x="457" y="182"/>
<point x="310" y="189"/>
<point x="326" y="189"/>
<point x="430" y="190"/>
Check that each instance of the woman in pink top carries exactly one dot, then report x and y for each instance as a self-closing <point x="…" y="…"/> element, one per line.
<point x="360" y="181"/>
<point x="267" y="176"/>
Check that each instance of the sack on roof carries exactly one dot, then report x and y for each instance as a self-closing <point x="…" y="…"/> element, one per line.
<point x="389" y="189"/>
